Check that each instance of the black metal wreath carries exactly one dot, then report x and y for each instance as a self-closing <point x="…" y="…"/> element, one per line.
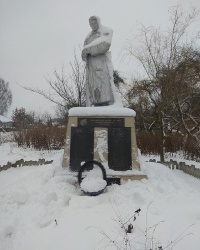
<point x="84" y="167"/>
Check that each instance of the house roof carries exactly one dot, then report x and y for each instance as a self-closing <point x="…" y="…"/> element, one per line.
<point x="4" y="119"/>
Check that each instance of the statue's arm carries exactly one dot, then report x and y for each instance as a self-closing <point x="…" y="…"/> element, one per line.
<point x="95" y="50"/>
<point x="99" y="49"/>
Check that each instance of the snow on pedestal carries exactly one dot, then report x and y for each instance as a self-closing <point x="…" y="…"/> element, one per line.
<point x="112" y="110"/>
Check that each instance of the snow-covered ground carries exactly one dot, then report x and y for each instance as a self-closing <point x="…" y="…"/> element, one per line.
<point x="41" y="208"/>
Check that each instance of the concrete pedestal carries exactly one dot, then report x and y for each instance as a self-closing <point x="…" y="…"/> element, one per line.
<point x="104" y="134"/>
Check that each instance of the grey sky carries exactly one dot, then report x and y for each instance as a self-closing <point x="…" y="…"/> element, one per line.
<point x="38" y="36"/>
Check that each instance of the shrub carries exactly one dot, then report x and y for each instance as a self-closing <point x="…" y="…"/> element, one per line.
<point x="41" y="137"/>
<point x="149" y="143"/>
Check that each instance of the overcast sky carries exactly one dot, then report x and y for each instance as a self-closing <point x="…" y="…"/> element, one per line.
<point x="39" y="36"/>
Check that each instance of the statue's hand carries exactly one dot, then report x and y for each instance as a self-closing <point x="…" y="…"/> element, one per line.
<point x="84" y="54"/>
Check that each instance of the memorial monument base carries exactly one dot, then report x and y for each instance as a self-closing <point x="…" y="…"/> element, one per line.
<point x="104" y="134"/>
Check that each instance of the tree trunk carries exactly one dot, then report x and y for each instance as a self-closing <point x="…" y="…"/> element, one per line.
<point x="162" y="139"/>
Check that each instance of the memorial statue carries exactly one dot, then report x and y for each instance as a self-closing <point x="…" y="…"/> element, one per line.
<point x="100" y="89"/>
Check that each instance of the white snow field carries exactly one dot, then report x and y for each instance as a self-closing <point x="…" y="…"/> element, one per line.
<point x="41" y="208"/>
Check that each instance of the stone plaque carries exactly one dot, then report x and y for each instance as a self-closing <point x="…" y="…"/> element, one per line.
<point x="119" y="149"/>
<point x="101" y="122"/>
<point x="81" y="149"/>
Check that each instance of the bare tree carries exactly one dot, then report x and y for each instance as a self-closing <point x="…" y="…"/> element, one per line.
<point x="186" y="94"/>
<point x="66" y="91"/>
<point x="168" y="81"/>
<point x="5" y="97"/>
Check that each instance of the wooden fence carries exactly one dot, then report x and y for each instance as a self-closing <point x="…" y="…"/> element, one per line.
<point x="21" y="163"/>
<point x="188" y="169"/>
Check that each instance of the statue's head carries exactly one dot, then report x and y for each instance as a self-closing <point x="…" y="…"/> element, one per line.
<point x="94" y="22"/>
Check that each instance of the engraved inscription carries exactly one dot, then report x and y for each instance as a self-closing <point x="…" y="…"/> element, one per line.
<point x="101" y="122"/>
<point x="119" y="149"/>
<point x="82" y="145"/>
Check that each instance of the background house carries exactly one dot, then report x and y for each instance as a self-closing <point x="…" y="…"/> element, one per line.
<point x="5" y="123"/>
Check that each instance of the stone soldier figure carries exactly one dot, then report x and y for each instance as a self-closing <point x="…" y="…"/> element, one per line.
<point x="100" y="89"/>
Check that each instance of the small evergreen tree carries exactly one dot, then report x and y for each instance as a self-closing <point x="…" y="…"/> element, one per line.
<point x="21" y="118"/>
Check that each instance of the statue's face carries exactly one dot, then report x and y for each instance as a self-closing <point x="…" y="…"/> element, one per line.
<point x="94" y="24"/>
